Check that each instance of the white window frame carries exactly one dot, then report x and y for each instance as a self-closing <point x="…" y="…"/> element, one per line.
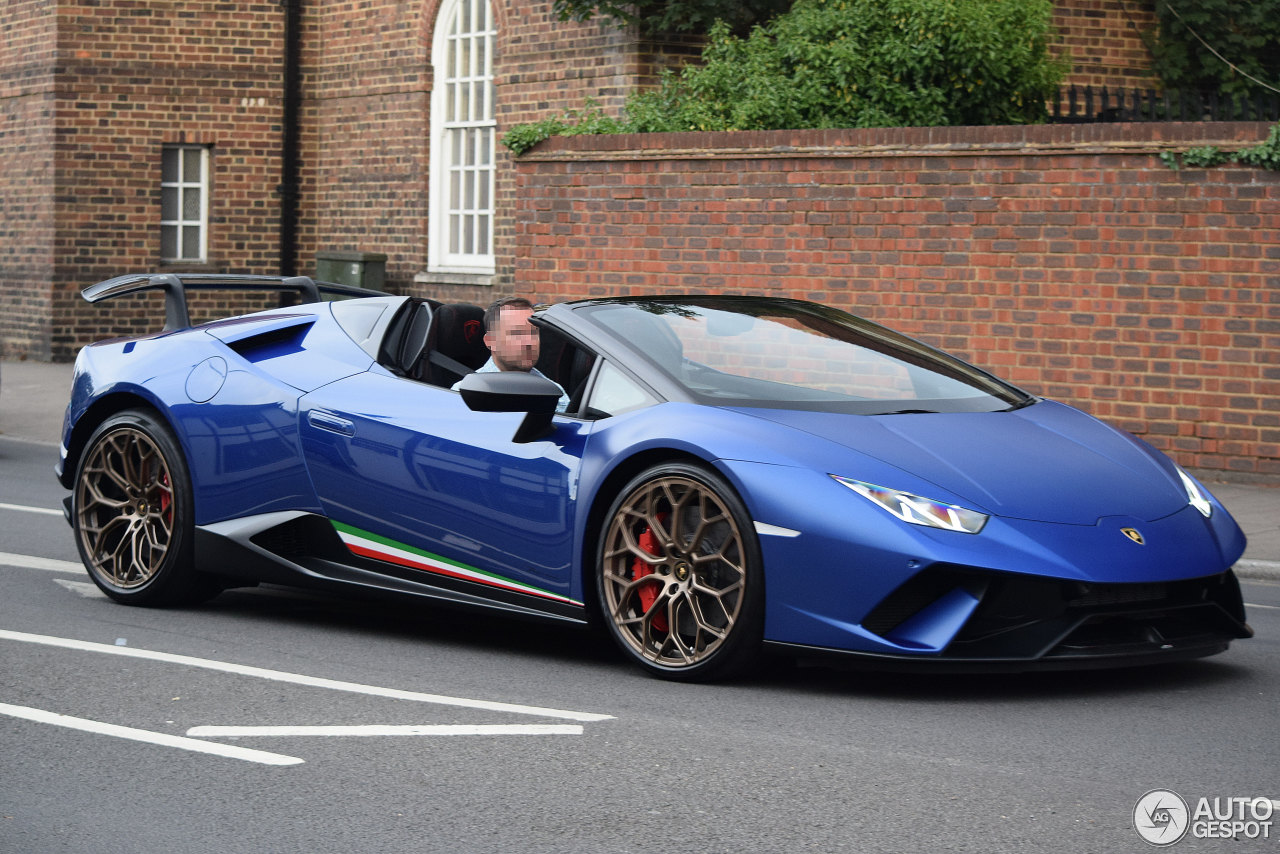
<point x="463" y="140"/>
<point x="183" y="219"/>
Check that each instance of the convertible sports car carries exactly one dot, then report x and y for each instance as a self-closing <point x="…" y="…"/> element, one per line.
<point x="732" y="473"/>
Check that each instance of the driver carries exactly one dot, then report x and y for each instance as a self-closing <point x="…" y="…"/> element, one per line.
<point x="513" y="341"/>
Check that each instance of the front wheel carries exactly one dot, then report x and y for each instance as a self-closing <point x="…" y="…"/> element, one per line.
<point x="679" y="575"/>
<point x="133" y="514"/>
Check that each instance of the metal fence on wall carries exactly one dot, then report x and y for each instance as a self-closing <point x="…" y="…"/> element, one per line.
<point x="1086" y="104"/>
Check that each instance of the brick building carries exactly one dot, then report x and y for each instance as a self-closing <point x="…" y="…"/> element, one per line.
<point x="247" y="137"/>
<point x="153" y="135"/>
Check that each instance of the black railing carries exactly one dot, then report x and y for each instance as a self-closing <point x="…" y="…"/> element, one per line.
<point x="1077" y="104"/>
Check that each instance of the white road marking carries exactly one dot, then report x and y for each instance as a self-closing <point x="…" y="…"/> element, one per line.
<point x="299" y="679"/>
<point x="33" y="562"/>
<point x="1268" y="607"/>
<point x="382" y="729"/>
<point x="87" y="589"/>
<point x="86" y="725"/>
<point x="27" y="508"/>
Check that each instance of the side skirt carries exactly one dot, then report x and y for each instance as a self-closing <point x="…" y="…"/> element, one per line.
<point x="299" y="549"/>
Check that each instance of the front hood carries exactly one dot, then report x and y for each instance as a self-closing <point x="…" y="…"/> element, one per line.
<point x="1047" y="462"/>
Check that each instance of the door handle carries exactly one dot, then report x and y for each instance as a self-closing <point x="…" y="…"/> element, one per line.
<point x="322" y="420"/>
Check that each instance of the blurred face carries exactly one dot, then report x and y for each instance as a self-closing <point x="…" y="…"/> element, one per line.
<point x="514" y="344"/>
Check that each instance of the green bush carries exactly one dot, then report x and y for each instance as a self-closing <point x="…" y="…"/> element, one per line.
<point x="591" y="119"/>
<point x="851" y="63"/>
<point x="866" y="63"/>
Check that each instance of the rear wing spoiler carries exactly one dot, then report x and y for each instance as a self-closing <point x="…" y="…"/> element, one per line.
<point x="176" y="285"/>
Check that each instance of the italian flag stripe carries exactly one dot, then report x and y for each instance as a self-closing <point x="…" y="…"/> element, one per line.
<point x="371" y="545"/>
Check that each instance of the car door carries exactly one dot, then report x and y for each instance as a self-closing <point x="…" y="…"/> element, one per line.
<point x="412" y="477"/>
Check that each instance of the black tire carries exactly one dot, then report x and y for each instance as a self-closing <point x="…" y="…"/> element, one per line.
<point x="132" y="511"/>
<point x="679" y="575"/>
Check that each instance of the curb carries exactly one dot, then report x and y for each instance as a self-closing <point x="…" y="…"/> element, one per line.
<point x="1258" y="570"/>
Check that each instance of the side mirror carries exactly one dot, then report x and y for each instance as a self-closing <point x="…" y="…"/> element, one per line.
<point x="513" y="391"/>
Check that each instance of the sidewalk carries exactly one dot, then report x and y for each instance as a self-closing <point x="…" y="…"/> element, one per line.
<point x="33" y="396"/>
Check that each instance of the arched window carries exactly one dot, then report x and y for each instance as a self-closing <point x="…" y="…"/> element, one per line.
<point x="462" y="139"/>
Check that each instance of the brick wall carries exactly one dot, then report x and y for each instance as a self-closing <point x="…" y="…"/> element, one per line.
<point x="1104" y="40"/>
<point x="27" y="55"/>
<point x="1067" y="259"/>
<point x="121" y="79"/>
<point x="366" y="99"/>
<point x="186" y="73"/>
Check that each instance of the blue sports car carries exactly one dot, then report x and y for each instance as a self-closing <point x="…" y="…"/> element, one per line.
<point x="732" y="474"/>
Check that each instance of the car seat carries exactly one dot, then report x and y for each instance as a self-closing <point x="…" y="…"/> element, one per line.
<point x="455" y="344"/>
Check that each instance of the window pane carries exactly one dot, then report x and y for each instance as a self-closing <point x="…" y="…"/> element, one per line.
<point x="482" y="234"/>
<point x="463" y="66"/>
<point x="168" y="241"/>
<point x="191" y="165"/>
<point x="191" y="204"/>
<point x="169" y="165"/>
<point x="169" y="203"/>
<point x="191" y="242"/>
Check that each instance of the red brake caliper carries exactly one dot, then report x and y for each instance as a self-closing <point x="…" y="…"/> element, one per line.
<point x="166" y="500"/>
<point x="648" y="593"/>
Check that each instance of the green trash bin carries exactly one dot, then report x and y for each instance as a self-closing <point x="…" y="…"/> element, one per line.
<point x="360" y="269"/>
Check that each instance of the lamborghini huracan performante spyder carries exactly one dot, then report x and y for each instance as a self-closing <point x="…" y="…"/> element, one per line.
<point x="732" y="475"/>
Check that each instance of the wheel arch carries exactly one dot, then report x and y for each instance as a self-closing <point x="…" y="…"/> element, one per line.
<point x="99" y="411"/>
<point x="610" y="487"/>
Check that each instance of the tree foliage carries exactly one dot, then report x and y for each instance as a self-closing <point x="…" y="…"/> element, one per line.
<point x="1246" y="34"/>
<point x="674" y="16"/>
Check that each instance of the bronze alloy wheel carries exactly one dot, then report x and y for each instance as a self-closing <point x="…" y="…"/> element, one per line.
<point x="678" y="577"/>
<point x="124" y="507"/>
<point x="132" y="513"/>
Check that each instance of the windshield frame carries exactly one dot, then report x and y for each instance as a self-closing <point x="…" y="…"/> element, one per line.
<point x="672" y="372"/>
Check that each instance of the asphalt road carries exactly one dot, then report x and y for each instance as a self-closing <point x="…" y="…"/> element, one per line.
<point x="393" y="729"/>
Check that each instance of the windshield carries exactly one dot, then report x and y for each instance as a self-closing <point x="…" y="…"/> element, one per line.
<point x="787" y="354"/>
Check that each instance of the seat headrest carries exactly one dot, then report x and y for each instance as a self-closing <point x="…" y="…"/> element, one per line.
<point x="456" y="344"/>
<point x="461" y="334"/>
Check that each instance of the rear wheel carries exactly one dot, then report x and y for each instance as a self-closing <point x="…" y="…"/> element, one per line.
<point x="133" y="514"/>
<point x="679" y="576"/>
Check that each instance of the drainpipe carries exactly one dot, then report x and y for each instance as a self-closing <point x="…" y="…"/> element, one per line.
<point x="288" y="191"/>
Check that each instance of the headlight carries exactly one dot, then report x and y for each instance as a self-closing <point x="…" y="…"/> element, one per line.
<point x="1196" y="496"/>
<point x="917" y="510"/>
